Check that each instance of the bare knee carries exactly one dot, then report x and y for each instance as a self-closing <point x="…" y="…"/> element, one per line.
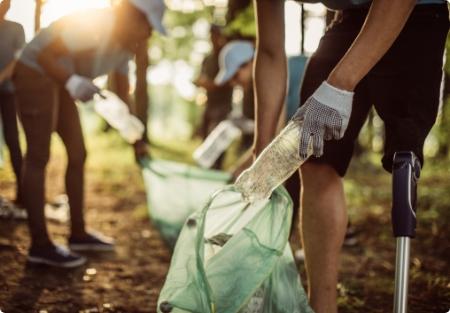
<point x="319" y="176"/>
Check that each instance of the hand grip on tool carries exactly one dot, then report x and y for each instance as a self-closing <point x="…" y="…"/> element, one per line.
<point x="405" y="175"/>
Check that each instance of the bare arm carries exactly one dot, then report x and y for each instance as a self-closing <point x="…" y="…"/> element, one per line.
<point x="122" y="88"/>
<point x="383" y="24"/>
<point x="270" y="70"/>
<point x="204" y="82"/>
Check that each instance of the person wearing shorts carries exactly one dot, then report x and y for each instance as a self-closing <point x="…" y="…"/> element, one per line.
<point x="382" y="53"/>
<point x="403" y="87"/>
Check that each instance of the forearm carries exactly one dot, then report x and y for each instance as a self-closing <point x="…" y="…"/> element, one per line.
<point x="121" y="87"/>
<point x="270" y="74"/>
<point x="270" y="86"/>
<point x="384" y="22"/>
<point x="206" y="83"/>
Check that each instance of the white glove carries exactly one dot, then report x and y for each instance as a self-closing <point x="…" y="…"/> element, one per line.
<point x="81" y="88"/>
<point x="325" y="116"/>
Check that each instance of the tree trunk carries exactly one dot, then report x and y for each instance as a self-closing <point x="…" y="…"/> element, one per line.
<point x="141" y="92"/>
<point x="37" y="16"/>
<point x="234" y="7"/>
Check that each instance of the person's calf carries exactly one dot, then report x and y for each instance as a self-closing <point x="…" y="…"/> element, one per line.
<point x="324" y="220"/>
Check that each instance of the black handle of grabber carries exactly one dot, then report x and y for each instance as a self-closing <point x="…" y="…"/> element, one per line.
<point x="405" y="174"/>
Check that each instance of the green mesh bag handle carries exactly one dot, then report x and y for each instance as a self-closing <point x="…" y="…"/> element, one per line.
<point x="196" y="173"/>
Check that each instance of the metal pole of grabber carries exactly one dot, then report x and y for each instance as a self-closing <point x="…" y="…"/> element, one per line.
<point x="405" y="174"/>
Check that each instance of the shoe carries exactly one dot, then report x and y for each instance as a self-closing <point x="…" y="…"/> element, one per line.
<point x="56" y="256"/>
<point x="92" y="242"/>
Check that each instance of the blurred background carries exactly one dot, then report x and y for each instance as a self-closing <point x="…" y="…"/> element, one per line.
<point x="162" y="78"/>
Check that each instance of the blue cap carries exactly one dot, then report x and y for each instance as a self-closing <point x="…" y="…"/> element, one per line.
<point x="232" y="57"/>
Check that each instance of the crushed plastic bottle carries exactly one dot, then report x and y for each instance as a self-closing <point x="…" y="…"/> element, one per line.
<point x="116" y="112"/>
<point x="278" y="161"/>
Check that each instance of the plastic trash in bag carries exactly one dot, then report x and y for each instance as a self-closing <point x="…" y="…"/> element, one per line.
<point x="175" y="191"/>
<point x="234" y="257"/>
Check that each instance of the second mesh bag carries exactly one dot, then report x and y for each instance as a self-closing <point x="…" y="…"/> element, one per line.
<point x="233" y="257"/>
<point x="176" y="190"/>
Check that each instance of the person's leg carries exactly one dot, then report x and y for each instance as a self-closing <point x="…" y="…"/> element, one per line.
<point x="407" y="97"/>
<point x="323" y="223"/>
<point x="323" y="216"/>
<point x="322" y="205"/>
<point x="36" y="100"/>
<point x="69" y="129"/>
<point x="11" y="134"/>
<point x="37" y="103"/>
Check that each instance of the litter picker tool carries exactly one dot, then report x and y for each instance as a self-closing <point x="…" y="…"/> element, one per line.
<point x="405" y="175"/>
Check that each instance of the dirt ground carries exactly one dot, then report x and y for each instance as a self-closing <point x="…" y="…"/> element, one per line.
<point x="129" y="280"/>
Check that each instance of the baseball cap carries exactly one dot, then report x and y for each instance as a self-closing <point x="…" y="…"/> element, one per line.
<point x="231" y="58"/>
<point x="154" y="11"/>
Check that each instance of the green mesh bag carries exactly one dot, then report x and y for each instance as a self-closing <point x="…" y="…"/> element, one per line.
<point x="235" y="257"/>
<point x="175" y="191"/>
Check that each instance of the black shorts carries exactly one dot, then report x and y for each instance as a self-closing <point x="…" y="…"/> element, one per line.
<point x="404" y="86"/>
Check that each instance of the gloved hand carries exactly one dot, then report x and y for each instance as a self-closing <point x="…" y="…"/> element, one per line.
<point x="325" y="116"/>
<point x="81" y="88"/>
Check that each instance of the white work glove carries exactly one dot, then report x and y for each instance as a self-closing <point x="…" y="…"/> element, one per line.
<point x="81" y="88"/>
<point x="325" y="116"/>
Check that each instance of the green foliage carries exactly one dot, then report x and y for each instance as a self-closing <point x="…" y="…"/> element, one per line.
<point x="441" y="131"/>
<point x="244" y="25"/>
<point x="447" y="55"/>
<point x="179" y="44"/>
<point x="442" y="128"/>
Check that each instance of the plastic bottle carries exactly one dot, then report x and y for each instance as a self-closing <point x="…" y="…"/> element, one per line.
<point x="132" y="130"/>
<point x="278" y="161"/>
<point x="116" y="112"/>
<point x="216" y="143"/>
